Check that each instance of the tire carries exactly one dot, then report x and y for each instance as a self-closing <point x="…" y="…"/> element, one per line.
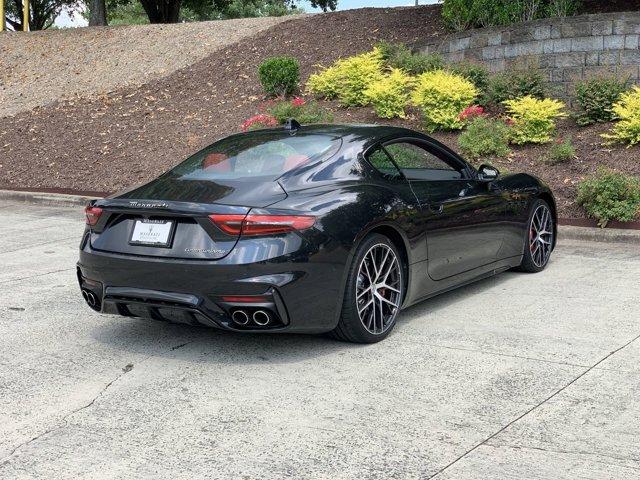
<point x="538" y="247"/>
<point x="379" y="317"/>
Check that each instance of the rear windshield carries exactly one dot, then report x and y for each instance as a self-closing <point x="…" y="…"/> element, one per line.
<point x="263" y="155"/>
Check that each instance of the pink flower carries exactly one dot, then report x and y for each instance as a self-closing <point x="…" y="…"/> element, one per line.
<point x="261" y="120"/>
<point x="298" y="102"/>
<point x="471" y="112"/>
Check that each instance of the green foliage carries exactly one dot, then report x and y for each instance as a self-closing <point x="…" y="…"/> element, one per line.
<point x="595" y="99"/>
<point x="485" y="137"/>
<point x="303" y="111"/>
<point x="610" y="196"/>
<point x="463" y="14"/>
<point x="561" y="152"/>
<point x="390" y="94"/>
<point x="442" y="96"/>
<point x="128" y="12"/>
<point x="562" y="8"/>
<point x="258" y="8"/>
<point x="514" y="84"/>
<point x="627" y="110"/>
<point x="279" y="75"/>
<point x="533" y="120"/>
<point x="348" y="78"/>
<point x="398" y="55"/>
<point x="476" y="74"/>
<point x="42" y="12"/>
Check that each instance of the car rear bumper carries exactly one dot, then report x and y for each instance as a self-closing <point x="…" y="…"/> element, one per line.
<point x="301" y="293"/>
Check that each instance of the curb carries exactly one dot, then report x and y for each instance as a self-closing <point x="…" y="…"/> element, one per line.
<point x="591" y="234"/>
<point x="49" y="199"/>
<point x="565" y="232"/>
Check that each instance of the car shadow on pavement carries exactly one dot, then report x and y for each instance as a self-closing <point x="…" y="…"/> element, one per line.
<point x="444" y="300"/>
<point x="184" y="342"/>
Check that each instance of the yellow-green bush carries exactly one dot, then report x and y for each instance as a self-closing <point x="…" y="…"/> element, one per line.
<point x="442" y="96"/>
<point x="348" y="78"/>
<point x="533" y="120"/>
<point x="390" y="94"/>
<point x="325" y="83"/>
<point x="627" y="110"/>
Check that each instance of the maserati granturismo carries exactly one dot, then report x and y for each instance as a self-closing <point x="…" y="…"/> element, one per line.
<point x="310" y="229"/>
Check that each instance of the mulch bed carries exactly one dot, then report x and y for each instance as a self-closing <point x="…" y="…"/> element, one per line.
<point x="129" y="136"/>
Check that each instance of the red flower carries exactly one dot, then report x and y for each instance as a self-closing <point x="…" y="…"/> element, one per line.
<point x="298" y="102"/>
<point x="471" y="112"/>
<point x="258" y="121"/>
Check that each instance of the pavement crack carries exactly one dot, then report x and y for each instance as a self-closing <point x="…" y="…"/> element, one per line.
<point x="181" y="345"/>
<point x="63" y="422"/>
<point x="520" y="417"/>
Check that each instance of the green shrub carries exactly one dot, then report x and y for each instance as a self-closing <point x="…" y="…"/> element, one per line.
<point x="348" y="78"/>
<point x="390" y="95"/>
<point x="463" y="14"/>
<point x="398" y="55"/>
<point x="303" y="111"/>
<point x="485" y="137"/>
<point x="279" y="75"/>
<point x="514" y="84"/>
<point x="610" y="196"/>
<point x="595" y="99"/>
<point x="561" y="152"/>
<point x="442" y="96"/>
<point x="627" y="110"/>
<point x="476" y="74"/>
<point x="533" y="120"/>
<point x="563" y="8"/>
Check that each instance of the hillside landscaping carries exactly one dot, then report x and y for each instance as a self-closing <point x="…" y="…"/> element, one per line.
<point x="336" y="67"/>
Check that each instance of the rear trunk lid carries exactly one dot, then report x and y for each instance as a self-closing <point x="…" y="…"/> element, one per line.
<point x="169" y="218"/>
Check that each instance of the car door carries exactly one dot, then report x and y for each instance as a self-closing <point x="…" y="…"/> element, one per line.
<point x="462" y="215"/>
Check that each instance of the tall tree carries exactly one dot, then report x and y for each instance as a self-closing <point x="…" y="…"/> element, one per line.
<point x="42" y="13"/>
<point x="97" y="13"/>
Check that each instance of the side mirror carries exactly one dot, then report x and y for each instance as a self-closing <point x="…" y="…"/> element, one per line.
<point x="487" y="173"/>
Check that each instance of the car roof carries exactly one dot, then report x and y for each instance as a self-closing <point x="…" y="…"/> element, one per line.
<point x="366" y="132"/>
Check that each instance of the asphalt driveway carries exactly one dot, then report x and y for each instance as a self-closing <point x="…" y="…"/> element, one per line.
<point x="516" y="377"/>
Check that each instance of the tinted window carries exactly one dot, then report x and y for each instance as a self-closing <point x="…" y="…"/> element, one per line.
<point x="256" y="156"/>
<point x="381" y="162"/>
<point x="419" y="164"/>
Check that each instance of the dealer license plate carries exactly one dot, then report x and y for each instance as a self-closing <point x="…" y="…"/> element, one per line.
<point x="152" y="232"/>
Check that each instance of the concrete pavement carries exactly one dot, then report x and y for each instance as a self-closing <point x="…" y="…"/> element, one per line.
<point x="516" y="377"/>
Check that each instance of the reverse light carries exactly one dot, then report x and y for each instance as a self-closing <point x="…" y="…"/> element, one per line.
<point x="93" y="215"/>
<point x="234" y="224"/>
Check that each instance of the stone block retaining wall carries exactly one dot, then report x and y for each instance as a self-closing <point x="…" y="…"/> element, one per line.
<point x="565" y="50"/>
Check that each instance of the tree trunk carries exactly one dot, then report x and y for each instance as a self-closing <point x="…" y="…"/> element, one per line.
<point x="162" y="11"/>
<point x="97" y="13"/>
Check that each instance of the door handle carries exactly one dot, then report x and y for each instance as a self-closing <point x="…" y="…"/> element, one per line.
<point x="436" y="207"/>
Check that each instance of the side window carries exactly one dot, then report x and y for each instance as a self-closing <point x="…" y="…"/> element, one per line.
<point x="419" y="164"/>
<point x="381" y="162"/>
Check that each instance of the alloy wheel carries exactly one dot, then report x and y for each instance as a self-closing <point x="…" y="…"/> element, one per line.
<point x="378" y="288"/>
<point x="541" y="236"/>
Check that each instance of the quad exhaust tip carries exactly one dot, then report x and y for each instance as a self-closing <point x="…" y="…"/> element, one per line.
<point x="240" y="317"/>
<point x="260" y="317"/>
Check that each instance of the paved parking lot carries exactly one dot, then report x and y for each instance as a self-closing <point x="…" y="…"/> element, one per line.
<point x="516" y="377"/>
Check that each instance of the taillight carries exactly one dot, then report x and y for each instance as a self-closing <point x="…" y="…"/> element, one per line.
<point x="93" y="215"/>
<point x="261" y="224"/>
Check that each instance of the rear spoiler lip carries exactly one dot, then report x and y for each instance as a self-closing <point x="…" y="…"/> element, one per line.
<point x="163" y="207"/>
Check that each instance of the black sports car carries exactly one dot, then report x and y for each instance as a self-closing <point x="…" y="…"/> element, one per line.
<point x="326" y="228"/>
